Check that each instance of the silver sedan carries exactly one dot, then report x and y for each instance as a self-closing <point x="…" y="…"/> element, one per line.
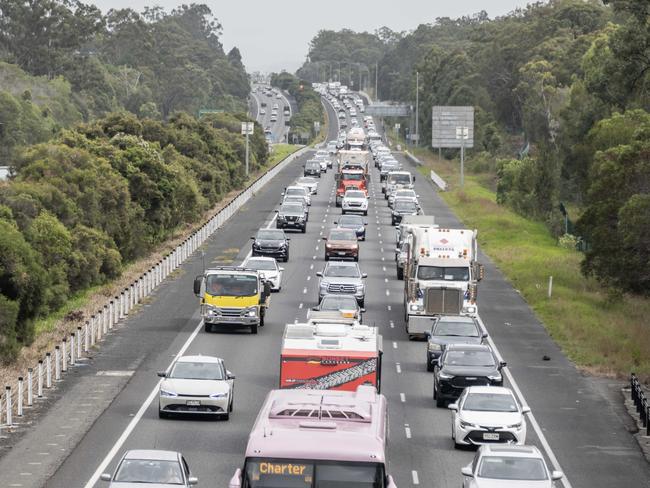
<point x="157" y="468"/>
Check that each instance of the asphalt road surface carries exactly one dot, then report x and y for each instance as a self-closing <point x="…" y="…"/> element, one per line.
<point x="578" y="416"/>
<point x="278" y="128"/>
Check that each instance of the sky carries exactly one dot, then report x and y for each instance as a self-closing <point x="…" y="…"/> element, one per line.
<point x="275" y="35"/>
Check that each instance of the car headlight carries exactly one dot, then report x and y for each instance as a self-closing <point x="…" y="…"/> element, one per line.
<point x="219" y="395"/>
<point x="495" y="377"/>
<point x="445" y="376"/>
<point x="168" y="393"/>
<point x="324" y="284"/>
<point x="415" y="307"/>
<point x="251" y="312"/>
<point x="434" y="346"/>
<point x="514" y="426"/>
<point x="468" y="425"/>
<point x="211" y="310"/>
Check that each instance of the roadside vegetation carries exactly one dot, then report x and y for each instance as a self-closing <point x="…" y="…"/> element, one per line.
<point x="280" y="152"/>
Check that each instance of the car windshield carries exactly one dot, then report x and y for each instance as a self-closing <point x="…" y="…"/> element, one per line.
<point x="404" y="194"/>
<point x="443" y="273"/>
<point x="149" y="471"/>
<point x="490" y="402"/>
<point x="291" y="209"/>
<point x="405" y="206"/>
<point x="262" y="264"/>
<point x="342" y="235"/>
<point x="239" y="285"/>
<point x="353" y="176"/>
<point x="399" y="179"/>
<point x="455" y="328"/>
<point x="342" y="271"/>
<point x="354" y="194"/>
<point x="294" y="199"/>
<point x="271" y="234"/>
<point x="469" y="358"/>
<point x="512" y="468"/>
<point x="196" y="371"/>
<point x="351" y="221"/>
<point x="339" y="302"/>
<point x="300" y="191"/>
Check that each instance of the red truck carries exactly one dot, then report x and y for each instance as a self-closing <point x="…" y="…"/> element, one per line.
<point x="352" y="173"/>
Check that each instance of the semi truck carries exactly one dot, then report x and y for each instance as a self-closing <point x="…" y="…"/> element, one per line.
<point x="441" y="275"/>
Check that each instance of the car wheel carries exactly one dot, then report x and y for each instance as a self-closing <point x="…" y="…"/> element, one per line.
<point x="342" y="212"/>
<point x="356" y="258"/>
<point x="226" y="416"/>
<point x="254" y="329"/>
<point x="430" y="367"/>
<point x="440" y="402"/>
<point x="362" y="303"/>
<point x="207" y="327"/>
<point x="304" y="229"/>
<point x="327" y="258"/>
<point x="286" y="258"/>
<point x="365" y="213"/>
<point x="161" y="414"/>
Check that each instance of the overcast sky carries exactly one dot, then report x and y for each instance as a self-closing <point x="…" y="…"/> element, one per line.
<point x="274" y="35"/>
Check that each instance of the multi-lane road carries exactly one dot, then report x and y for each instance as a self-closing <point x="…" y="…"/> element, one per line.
<point x="278" y="128"/>
<point x="577" y="419"/>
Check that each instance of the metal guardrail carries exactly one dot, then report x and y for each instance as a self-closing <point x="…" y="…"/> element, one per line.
<point x="439" y="182"/>
<point x="641" y="402"/>
<point x="75" y="347"/>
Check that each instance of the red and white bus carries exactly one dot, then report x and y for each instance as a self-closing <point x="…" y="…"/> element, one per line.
<point x="330" y="353"/>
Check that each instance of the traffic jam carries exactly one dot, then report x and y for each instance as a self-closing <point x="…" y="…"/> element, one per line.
<point x="327" y="423"/>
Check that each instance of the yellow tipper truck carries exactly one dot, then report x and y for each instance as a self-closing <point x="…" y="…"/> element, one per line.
<point x="232" y="297"/>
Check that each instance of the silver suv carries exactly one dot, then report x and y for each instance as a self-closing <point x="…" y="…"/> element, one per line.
<point x="342" y="277"/>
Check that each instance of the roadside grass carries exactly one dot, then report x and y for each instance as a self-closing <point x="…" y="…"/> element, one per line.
<point x="49" y="322"/>
<point x="281" y="151"/>
<point x="602" y="333"/>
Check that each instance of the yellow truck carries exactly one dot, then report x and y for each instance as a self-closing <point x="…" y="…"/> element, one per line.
<point x="232" y="297"/>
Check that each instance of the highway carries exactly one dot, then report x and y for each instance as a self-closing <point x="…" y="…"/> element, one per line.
<point x="278" y="128"/>
<point x="579" y="416"/>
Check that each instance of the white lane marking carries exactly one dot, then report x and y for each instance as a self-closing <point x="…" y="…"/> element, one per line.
<point x="402" y="397"/>
<point x="381" y="242"/>
<point x="383" y="268"/>
<point x="387" y="293"/>
<point x="308" y="278"/>
<point x="385" y="279"/>
<point x="134" y="421"/>
<point x="388" y="307"/>
<point x="383" y="258"/>
<point x="407" y="430"/>
<point x="304" y="291"/>
<point x="311" y="266"/>
<point x="398" y="367"/>
<point x="314" y="258"/>
<point x="317" y="248"/>
<point x="392" y="324"/>
<point x="381" y="249"/>
<point x="416" y="479"/>
<point x="394" y="345"/>
<point x="295" y="321"/>
<point x="531" y="417"/>
<point x="300" y="306"/>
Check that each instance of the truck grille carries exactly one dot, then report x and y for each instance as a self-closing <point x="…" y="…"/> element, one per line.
<point x="438" y="301"/>
<point x="341" y="288"/>
<point x="231" y="312"/>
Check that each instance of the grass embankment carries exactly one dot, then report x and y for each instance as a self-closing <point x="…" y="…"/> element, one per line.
<point x="601" y="334"/>
<point x="281" y="151"/>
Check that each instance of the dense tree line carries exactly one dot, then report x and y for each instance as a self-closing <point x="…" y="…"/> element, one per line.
<point x="310" y="108"/>
<point x="562" y="93"/>
<point x="103" y="194"/>
<point x="66" y="62"/>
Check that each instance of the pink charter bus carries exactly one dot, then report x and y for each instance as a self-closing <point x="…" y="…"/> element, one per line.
<point x="318" y="439"/>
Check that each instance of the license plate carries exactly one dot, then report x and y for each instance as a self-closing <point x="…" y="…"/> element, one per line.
<point x="488" y="436"/>
<point x="341" y="253"/>
<point x="193" y="403"/>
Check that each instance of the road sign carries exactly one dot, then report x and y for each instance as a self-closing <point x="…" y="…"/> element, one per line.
<point x="247" y="128"/>
<point x="398" y="126"/>
<point x="316" y="126"/>
<point x="207" y="111"/>
<point x="445" y="121"/>
<point x="388" y="110"/>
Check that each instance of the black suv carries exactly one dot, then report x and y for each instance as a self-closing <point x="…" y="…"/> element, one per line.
<point x="463" y="365"/>
<point x="272" y="243"/>
<point x="452" y="329"/>
<point x="312" y="168"/>
<point x="292" y="215"/>
<point x="402" y="207"/>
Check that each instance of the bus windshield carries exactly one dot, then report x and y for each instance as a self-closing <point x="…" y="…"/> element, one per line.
<point x="300" y="473"/>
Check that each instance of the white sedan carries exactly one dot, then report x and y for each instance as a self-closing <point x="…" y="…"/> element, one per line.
<point x="196" y="384"/>
<point x="297" y="191"/>
<point x="354" y="201"/>
<point x="268" y="269"/>
<point x="404" y="194"/>
<point x="308" y="182"/>
<point x="487" y="415"/>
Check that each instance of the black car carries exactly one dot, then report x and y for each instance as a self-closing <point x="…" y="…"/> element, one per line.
<point x="354" y="222"/>
<point x="272" y="243"/>
<point x="403" y="207"/>
<point x="451" y="329"/>
<point x="312" y="168"/>
<point x="463" y="365"/>
<point x="292" y="216"/>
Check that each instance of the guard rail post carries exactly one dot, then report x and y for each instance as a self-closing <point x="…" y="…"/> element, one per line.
<point x="72" y="349"/>
<point x="64" y="355"/>
<point x="111" y="314"/>
<point x="79" y="342"/>
<point x="92" y="330"/>
<point x="98" y="334"/>
<point x="19" y="398"/>
<point x="86" y="337"/>
<point x="57" y="363"/>
<point x="8" y="404"/>
<point x="30" y="387"/>
<point x="48" y="370"/>
<point x="39" y="388"/>
<point x="116" y="310"/>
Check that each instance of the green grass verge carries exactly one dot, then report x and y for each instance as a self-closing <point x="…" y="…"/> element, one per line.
<point x="601" y="334"/>
<point x="281" y="151"/>
<point x="77" y="301"/>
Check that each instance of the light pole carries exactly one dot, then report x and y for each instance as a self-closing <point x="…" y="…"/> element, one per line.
<point x="247" y="129"/>
<point x="376" y="78"/>
<point x="417" y="107"/>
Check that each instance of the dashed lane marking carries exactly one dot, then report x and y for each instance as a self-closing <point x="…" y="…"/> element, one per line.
<point x="394" y="345"/>
<point x="398" y="367"/>
<point x="416" y="479"/>
<point x="407" y="431"/>
<point x="402" y="397"/>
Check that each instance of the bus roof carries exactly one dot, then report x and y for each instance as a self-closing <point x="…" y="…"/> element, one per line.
<point x="321" y="424"/>
<point x="331" y="338"/>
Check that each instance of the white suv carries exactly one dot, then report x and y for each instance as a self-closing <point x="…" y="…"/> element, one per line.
<point x="354" y="201"/>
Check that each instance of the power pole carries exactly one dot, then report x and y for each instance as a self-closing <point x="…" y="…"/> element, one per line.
<point x="417" y="107"/>
<point x="376" y="78"/>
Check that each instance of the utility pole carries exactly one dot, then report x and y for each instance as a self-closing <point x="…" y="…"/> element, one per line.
<point x="376" y="78"/>
<point x="417" y="107"/>
<point x="247" y="129"/>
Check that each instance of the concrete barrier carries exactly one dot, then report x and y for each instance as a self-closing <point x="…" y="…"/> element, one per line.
<point x="437" y="180"/>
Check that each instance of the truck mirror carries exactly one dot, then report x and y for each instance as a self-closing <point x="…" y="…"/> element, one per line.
<point x="197" y="285"/>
